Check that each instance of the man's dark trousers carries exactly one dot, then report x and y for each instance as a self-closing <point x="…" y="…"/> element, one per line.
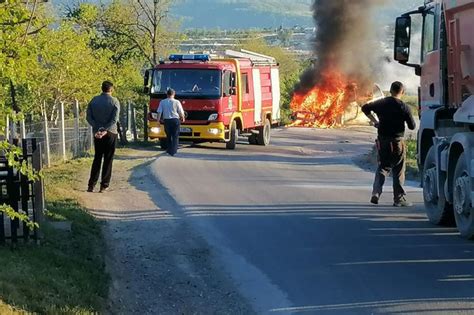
<point x="104" y="150"/>
<point x="172" y="128"/>
<point x="391" y="156"/>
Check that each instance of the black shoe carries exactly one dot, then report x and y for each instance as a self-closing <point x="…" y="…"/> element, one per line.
<point x="90" y="189"/>
<point x="374" y="200"/>
<point x="104" y="189"/>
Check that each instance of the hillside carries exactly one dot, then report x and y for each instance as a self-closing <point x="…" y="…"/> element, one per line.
<point x="231" y="14"/>
<point x="245" y="14"/>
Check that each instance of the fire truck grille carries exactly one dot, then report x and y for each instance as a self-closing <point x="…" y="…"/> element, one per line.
<point x="198" y="115"/>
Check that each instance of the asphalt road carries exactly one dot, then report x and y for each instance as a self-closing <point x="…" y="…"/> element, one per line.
<point x="292" y="225"/>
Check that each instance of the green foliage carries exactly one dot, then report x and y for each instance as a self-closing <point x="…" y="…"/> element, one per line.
<point x="412" y="102"/>
<point x="47" y="60"/>
<point x="66" y="273"/>
<point x="412" y="164"/>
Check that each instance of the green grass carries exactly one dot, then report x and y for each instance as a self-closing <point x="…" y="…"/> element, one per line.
<point x="66" y="273"/>
<point x="412" y="171"/>
<point x="412" y="102"/>
<point x="412" y="166"/>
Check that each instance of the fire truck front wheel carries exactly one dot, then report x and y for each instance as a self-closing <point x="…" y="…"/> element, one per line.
<point x="233" y="136"/>
<point x="263" y="137"/>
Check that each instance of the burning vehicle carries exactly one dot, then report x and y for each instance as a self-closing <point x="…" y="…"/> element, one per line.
<point x="342" y="77"/>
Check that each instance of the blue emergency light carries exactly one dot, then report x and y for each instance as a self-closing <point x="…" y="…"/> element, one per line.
<point x="201" y="57"/>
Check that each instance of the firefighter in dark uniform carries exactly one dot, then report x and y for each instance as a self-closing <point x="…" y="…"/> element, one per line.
<point x="392" y="115"/>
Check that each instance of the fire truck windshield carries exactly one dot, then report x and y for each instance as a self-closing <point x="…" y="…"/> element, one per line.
<point x="188" y="83"/>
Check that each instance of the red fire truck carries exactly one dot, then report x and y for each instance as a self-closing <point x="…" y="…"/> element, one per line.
<point x="446" y="134"/>
<point x="237" y="94"/>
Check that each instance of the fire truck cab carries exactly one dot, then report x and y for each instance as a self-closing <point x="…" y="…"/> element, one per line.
<point x="237" y="94"/>
<point x="446" y="134"/>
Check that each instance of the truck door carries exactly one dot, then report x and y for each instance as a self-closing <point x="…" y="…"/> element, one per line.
<point x="247" y="97"/>
<point x="432" y="90"/>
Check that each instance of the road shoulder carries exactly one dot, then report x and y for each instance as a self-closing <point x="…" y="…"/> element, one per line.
<point x="158" y="264"/>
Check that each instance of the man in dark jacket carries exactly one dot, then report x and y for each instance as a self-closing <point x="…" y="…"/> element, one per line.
<point x="392" y="114"/>
<point x="103" y="114"/>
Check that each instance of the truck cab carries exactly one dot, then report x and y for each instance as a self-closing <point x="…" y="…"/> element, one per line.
<point x="223" y="98"/>
<point x="445" y="137"/>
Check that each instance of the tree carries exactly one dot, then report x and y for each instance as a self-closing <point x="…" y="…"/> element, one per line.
<point x="131" y="28"/>
<point x="290" y="67"/>
<point x="18" y="23"/>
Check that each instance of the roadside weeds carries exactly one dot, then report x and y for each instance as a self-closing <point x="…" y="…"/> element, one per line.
<point x="368" y="161"/>
<point x="65" y="274"/>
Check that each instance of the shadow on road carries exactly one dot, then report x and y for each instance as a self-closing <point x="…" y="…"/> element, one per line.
<point x="335" y="258"/>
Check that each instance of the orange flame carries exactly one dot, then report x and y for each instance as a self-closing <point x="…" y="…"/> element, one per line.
<point x="323" y="105"/>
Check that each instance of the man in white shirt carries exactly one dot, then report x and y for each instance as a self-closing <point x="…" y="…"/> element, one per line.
<point x="172" y="112"/>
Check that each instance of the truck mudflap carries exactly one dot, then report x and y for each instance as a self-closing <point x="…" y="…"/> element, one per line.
<point x="211" y="132"/>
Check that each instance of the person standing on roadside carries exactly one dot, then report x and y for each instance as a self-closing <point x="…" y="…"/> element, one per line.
<point x="392" y="114"/>
<point x="171" y="110"/>
<point x="103" y="114"/>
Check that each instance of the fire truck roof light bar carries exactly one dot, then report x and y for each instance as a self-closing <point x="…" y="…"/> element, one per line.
<point x="202" y="57"/>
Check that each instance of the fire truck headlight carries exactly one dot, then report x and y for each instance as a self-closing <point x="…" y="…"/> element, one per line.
<point x="155" y="130"/>
<point x="213" y="117"/>
<point x="215" y="131"/>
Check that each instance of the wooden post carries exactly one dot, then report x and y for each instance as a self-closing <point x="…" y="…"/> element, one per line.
<point x="91" y="135"/>
<point x="134" y="124"/>
<point x="7" y="129"/>
<point x="129" y="116"/>
<point x="62" y="132"/>
<point x="22" y="129"/>
<point x="46" y="147"/>
<point x="38" y="190"/>
<point x="76" y="128"/>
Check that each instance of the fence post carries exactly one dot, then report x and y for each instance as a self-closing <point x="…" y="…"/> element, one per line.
<point x="134" y="124"/>
<point x="129" y="116"/>
<point x="92" y="136"/>
<point x="22" y="129"/>
<point x="7" y="129"/>
<point x="145" y="123"/>
<point x="76" y="128"/>
<point x="62" y="132"/>
<point x="47" y="151"/>
<point x="38" y="191"/>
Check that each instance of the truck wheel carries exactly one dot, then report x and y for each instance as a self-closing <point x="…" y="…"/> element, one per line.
<point x="234" y="134"/>
<point x="253" y="139"/>
<point x="438" y="210"/>
<point x="463" y="210"/>
<point x="164" y="144"/>
<point x="263" y="137"/>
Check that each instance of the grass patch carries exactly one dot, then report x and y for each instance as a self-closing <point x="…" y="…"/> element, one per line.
<point x="66" y="273"/>
<point x="412" y="165"/>
<point x="413" y="173"/>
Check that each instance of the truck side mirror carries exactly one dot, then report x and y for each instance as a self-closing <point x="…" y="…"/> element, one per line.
<point x="146" y="82"/>
<point x="402" y="39"/>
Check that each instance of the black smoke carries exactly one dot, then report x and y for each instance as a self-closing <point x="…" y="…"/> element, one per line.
<point x="344" y="41"/>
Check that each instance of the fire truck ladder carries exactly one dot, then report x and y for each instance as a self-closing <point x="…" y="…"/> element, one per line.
<point x="257" y="59"/>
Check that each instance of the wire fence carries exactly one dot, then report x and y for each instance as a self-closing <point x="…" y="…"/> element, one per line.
<point x="65" y="139"/>
<point x="59" y="142"/>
